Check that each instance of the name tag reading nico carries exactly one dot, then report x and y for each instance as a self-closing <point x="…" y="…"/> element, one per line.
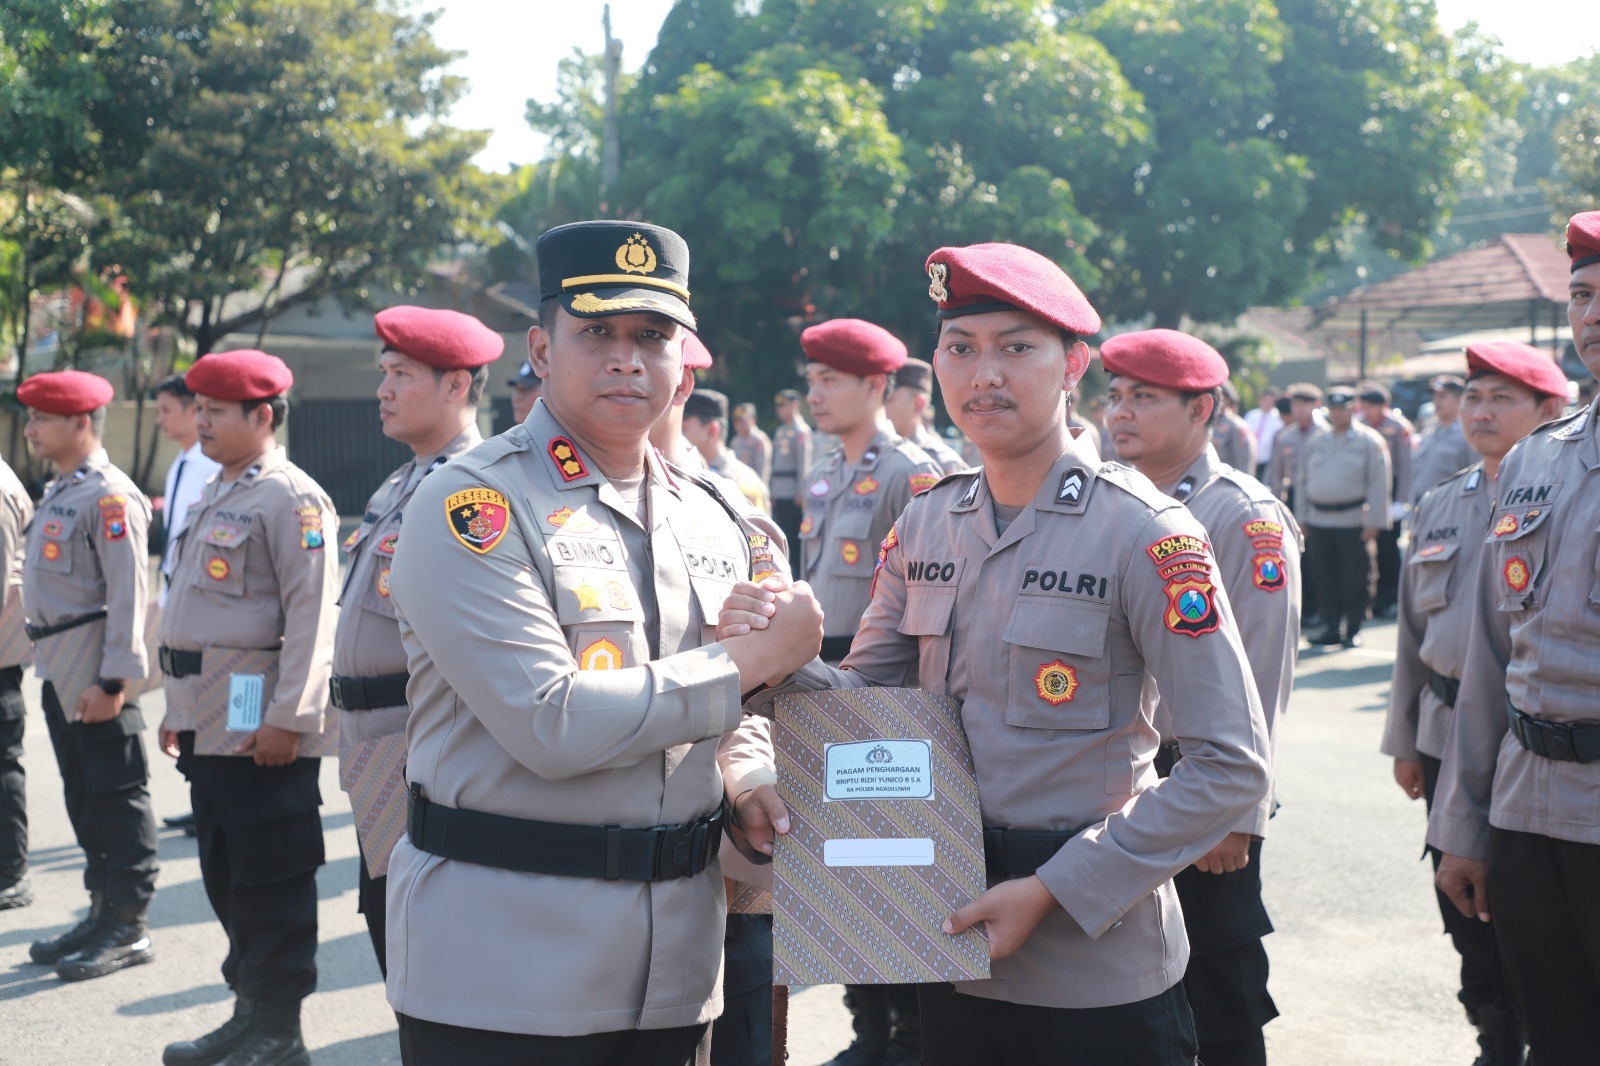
<point x="878" y="769"/>
<point x="244" y="702"/>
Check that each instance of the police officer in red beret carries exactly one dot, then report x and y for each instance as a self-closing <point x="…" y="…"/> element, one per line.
<point x="853" y="494"/>
<point x="84" y="593"/>
<point x="1078" y="602"/>
<point x="1163" y="397"/>
<point x="435" y="364"/>
<point x="1516" y="815"/>
<point x="246" y="647"/>
<point x="1510" y="390"/>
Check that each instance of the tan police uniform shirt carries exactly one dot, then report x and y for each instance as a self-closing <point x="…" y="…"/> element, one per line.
<point x="16" y="511"/>
<point x="87" y="549"/>
<point x="1234" y="442"/>
<point x="1534" y="644"/>
<point x="564" y="668"/>
<point x="791" y="458"/>
<point x="1257" y="547"/>
<point x="1341" y="469"/>
<point x="1442" y="452"/>
<point x="754" y="449"/>
<point x="849" y="509"/>
<point x="746" y="480"/>
<point x="1053" y="636"/>
<point x="1397" y="438"/>
<point x="255" y="571"/>
<point x="1435" y="621"/>
<point x="948" y="459"/>
<point x="366" y="641"/>
<point x="1284" y="464"/>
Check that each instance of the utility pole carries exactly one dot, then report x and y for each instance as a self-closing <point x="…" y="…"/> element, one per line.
<point x="610" y="137"/>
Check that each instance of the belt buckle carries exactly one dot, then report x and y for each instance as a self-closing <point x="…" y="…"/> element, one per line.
<point x="335" y="693"/>
<point x="1558" y="742"/>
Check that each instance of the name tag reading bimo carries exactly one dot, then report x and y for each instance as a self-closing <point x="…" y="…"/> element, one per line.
<point x="244" y="702"/>
<point x="878" y="769"/>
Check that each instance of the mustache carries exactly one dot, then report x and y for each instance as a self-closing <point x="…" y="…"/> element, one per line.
<point x="989" y="400"/>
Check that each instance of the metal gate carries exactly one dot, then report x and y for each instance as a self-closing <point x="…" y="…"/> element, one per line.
<point x="341" y="444"/>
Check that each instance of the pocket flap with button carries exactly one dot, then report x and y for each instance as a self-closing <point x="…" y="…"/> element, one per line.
<point x="928" y="610"/>
<point x="1066" y="627"/>
<point x="1431" y="575"/>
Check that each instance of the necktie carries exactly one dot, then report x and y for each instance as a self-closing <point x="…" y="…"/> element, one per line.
<point x="172" y="528"/>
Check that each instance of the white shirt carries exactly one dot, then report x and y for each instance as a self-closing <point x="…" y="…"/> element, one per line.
<point x="1265" y="425"/>
<point x="182" y="494"/>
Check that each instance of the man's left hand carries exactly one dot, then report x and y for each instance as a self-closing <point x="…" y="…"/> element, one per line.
<point x="274" y="746"/>
<point x="95" y="706"/>
<point x="1230" y="855"/>
<point x="1010" y="912"/>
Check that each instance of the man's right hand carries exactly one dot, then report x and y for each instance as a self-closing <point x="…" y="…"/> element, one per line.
<point x="169" y="740"/>
<point x="1465" y="881"/>
<point x="791" y="637"/>
<point x="762" y="816"/>
<point x="1408" y="775"/>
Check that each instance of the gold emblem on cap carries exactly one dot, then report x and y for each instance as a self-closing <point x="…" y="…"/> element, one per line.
<point x="938" y="273"/>
<point x="635" y="256"/>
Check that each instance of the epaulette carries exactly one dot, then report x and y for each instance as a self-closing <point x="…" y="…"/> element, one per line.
<point x="1253" y="489"/>
<point x="1567" y="426"/>
<point x="963" y="476"/>
<point x="494" y="449"/>
<point x="1135" y="484"/>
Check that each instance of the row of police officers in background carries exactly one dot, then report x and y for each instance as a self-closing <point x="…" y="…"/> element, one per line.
<point x="553" y="692"/>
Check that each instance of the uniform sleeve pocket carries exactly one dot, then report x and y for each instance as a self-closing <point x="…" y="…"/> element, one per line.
<point x="1059" y="672"/>
<point x="1431" y="576"/>
<point x="928" y="611"/>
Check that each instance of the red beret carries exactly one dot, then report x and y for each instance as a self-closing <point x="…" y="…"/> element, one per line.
<point x="1583" y="239"/>
<point x="445" y="340"/>
<point x="65" y="392"/>
<point x="239" y="376"/>
<point x="1519" y="362"/>
<point x="854" y="346"/>
<point x="696" y="356"/>
<point x="997" y="277"/>
<point x="1165" y="357"/>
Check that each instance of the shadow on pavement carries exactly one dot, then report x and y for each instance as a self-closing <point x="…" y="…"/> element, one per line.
<point x="359" y="1051"/>
<point x="176" y="1001"/>
<point x="338" y="877"/>
<point x="347" y="962"/>
<point x="1369" y="674"/>
<point x="28" y="978"/>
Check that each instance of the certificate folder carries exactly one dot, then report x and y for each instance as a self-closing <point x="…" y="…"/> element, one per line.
<point x="885" y="840"/>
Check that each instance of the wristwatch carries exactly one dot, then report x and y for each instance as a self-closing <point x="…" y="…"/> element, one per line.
<point x="111" y="687"/>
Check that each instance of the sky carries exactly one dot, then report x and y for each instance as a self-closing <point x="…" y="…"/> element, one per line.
<point x="509" y="60"/>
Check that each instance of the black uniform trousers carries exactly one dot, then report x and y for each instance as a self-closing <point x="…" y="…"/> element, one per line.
<point x="1542" y="894"/>
<point x="1387" y="549"/>
<point x="106" y="782"/>
<point x="424" y="1043"/>
<point x="742" y="1035"/>
<point x="1338" y="561"/>
<point x="1481" y="984"/>
<point x="372" y="906"/>
<point x="788" y="515"/>
<point x="260" y="839"/>
<point x="959" y="1030"/>
<point x="13" y="779"/>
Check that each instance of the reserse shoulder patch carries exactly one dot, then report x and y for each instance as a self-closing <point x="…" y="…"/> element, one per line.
<point x="478" y="517"/>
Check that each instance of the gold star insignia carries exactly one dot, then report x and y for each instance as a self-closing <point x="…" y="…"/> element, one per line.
<point x="588" y="597"/>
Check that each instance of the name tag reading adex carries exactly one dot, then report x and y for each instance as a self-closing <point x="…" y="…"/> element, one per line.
<point x="244" y="702"/>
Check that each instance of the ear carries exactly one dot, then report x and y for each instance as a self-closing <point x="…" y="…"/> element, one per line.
<point x="685" y="387"/>
<point x="1077" y="365"/>
<point x="539" y="351"/>
<point x="1202" y="408"/>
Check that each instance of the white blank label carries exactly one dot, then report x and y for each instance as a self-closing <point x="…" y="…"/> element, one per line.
<point x="888" y="851"/>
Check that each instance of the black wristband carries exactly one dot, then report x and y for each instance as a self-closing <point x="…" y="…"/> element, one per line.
<point x="111" y="687"/>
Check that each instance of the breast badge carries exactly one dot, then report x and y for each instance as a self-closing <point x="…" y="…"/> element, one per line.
<point x="867" y="487"/>
<point x="51" y="551"/>
<point x="217" y="567"/>
<point x="588" y="597"/>
<point x="1517" y="574"/>
<point x="52" y="528"/>
<point x="1056" y="683"/>
<point x="478" y="518"/>
<point x="572" y="521"/>
<point x="383" y="582"/>
<point x="1506" y="526"/>
<point x="387" y="545"/>
<point x="617" y="596"/>
<point x="600" y="655"/>
<point x="850" y="552"/>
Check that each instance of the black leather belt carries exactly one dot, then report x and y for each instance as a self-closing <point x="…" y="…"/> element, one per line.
<point x="1020" y="852"/>
<point x="1562" y="741"/>
<point x="834" y="649"/>
<point x="1348" y="506"/>
<point x="368" y="693"/>
<point x="1167" y="756"/>
<point x="1446" y="688"/>
<point x="658" y="853"/>
<point x="175" y="663"/>
<point x="37" y="633"/>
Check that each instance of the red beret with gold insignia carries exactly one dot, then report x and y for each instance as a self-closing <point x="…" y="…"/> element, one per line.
<point x="1166" y="358"/>
<point x="1519" y="362"/>
<point x="1583" y="239"/>
<point x="1007" y="277"/>
<point x="854" y="346"/>
<point x="444" y="340"/>
<point x="65" y="392"/>
<point x="696" y="356"/>
<point x="239" y="377"/>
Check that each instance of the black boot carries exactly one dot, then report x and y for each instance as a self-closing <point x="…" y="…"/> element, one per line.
<point x="121" y="941"/>
<point x="1500" y="1038"/>
<point x="274" y="1037"/>
<point x="215" y="1045"/>
<point x="905" y="1036"/>
<point x="869" y="1016"/>
<point x="18" y="893"/>
<point x="59" y="947"/>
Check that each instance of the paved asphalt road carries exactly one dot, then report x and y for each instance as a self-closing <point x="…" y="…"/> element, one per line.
<point x="1361" y="971"/>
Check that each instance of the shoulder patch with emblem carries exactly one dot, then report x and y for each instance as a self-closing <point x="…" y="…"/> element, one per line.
<point x="310" y="528"/>
<point x="1192" y="605"/>
<point x="762" y="564"/>
<point x="114" y="516"/>
<point x="884" y="549"/>
<point x="478" y="517"/>
<point x="565" y="456"/>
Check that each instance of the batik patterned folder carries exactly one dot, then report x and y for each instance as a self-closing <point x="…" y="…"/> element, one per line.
<point x="377" y="797"/>
<point x="885" y="840"/>
<point x="211" y="735"/>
